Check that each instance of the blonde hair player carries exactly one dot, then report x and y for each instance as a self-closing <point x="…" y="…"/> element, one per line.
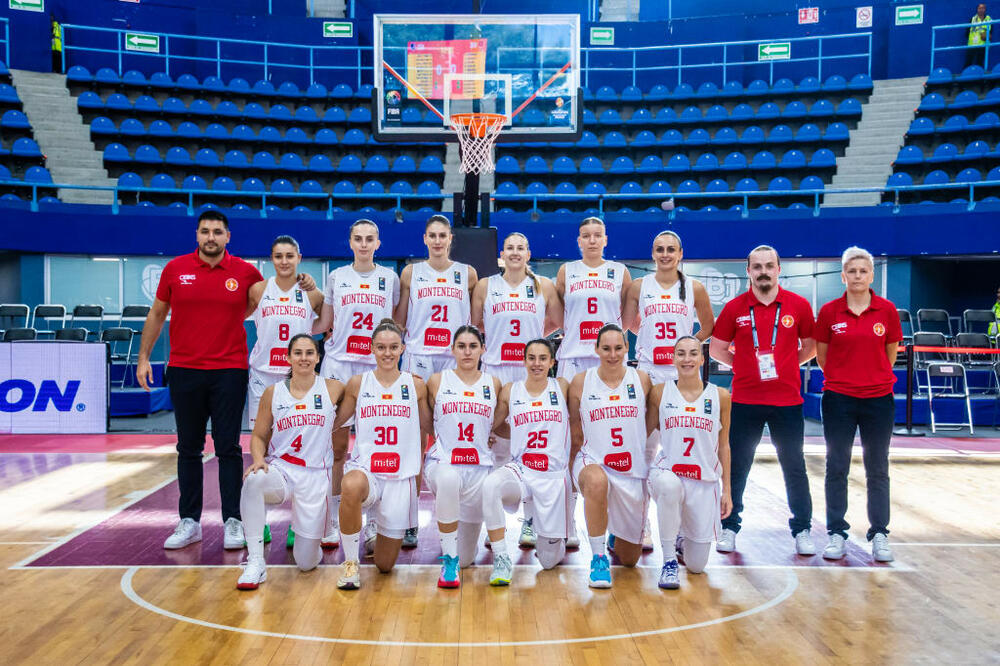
<point x="292" y="454"/>
<point x="391" y="418"/>
<point x="283" y="306"/>
<point x="463" y="402"/>
<point x="607" y="408"/>
<point x="362" y="294"/>
<point x="434" y="297"/>
<point x="533" y="412"/>
<point x="693" y="458"/>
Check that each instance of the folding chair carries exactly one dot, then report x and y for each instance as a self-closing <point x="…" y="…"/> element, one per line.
<point x="933" y="320"/>
<point x="952" y="384"/>
<point x="978" y="321"/>
<point x="136" y="312"/>
<point x="11" y="313"/>
<point x="16" y="334"/>
<point x="921" y="359"/>
<point x="72" y="334"/>
<point x="114" y="336"/>
<point x="47" y="311"/>
<point x="92" y="312"/>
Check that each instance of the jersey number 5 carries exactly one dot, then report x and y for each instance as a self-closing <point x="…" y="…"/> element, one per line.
<point x="616" y="437"/>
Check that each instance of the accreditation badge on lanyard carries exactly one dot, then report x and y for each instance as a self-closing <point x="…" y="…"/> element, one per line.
<point x="766" y="366"/>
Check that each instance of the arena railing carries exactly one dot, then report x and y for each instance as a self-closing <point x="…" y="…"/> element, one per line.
<point x="743" y="198"/>
<point x="959" y="42"/>
<point x="676" y="59"/>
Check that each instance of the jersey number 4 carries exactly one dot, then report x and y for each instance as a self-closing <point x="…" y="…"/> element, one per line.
<point x="361" y="320"/>
<point x="297" y="444"/>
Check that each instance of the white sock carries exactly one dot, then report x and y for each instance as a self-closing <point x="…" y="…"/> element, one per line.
<point x="255" y="548"/>
<point x="499" y="547"/>
<point x="351" y="543"/>
<point x="333" y="515"/>
<point x="598" y="545"/>
<point x="529" y="509"/>
<point x="573" y="496"/>
<point x="669" y="549"/>
<point x="449" y="543"/>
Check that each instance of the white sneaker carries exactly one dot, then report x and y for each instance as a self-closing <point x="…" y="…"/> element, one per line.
<point x="350" y="577"/>
<point x="528" y="537"/>
<point x="835" y="549"/>
<point x="254" y="573"/>
<point x="573" y="540"/>
<point x="187" y="532"/>
<point x="647" y="537"/>
<point x="332" y="538"/>
<point x="804" y="543"/>
<point x="880" y="548"/>
<point x="233" y="538"/>
<point x="726" y="542"/>
<point x="370" y="533"/>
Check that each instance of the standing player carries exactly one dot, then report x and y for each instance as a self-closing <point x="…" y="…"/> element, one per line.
<point x="607" y="407"/>
<point x="463" y="401"/>
<point x="537" y="421"/>
<point x="693" y="419"/>
<point x="391" y="418"/>
<point x="281" y="310"/>
<point x="357" y="297"/>
<point x="292" y="454"/>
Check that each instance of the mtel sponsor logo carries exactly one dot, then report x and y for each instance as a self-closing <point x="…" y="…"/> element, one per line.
<point x="18" y="395"/>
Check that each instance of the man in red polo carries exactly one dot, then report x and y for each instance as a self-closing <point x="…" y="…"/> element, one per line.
<point x="771" y="331"/>
<point x="206" y="294"/>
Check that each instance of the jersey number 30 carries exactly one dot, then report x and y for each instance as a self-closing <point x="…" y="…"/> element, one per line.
<point x="386" y="435"/>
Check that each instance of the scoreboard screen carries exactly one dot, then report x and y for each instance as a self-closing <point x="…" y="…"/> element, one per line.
<point x="428" y="62"/>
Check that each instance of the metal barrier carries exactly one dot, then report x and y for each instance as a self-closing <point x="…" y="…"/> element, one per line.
<point x="770" y="52"/>
<point x="963" y="29"/>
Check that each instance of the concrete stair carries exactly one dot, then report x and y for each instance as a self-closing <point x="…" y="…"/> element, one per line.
<point x="327" y="8"/>
<point x="619" y="10"/>
<point x="875" y="142"/>
<point x="71" y="156"/>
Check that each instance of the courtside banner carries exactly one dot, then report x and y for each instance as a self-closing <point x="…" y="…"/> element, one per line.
<point x="53" y="387"/>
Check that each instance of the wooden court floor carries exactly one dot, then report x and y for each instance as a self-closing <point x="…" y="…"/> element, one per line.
<point x="936" y="603"/>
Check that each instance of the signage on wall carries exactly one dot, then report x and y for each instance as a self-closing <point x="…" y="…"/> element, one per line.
<point x="338" y="29"/>
<point x="774" y="51"/>
<point x="602" y="36"/>
<point x="863" y="17"/>
<point x="808" y="15"/>
<point x="28" y="5"/>
<point x="138" y="41"/>
<point x="910" y="15"/>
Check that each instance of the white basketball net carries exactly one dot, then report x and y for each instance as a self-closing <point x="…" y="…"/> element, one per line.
<point x="477" y="133"/>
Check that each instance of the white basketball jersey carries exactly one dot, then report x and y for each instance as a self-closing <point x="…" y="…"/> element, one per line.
<point x="359" y="303"/>
<point x="539" y="428"/>
<point x="513" y="316"/>
<point x="387" y="437"/>
<point x="463" y="419"/>
<point x="614" y="423"/>
<point x="439" y="304"/>
<point x="302" y="428"/>
<point x="280" y="316"/>
<point x="689" y="434"/>
<point x="664" y="317"/>
<point x="593" y="298"/>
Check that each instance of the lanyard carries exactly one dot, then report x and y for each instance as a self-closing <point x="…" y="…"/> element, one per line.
<point x="774" y="330"/>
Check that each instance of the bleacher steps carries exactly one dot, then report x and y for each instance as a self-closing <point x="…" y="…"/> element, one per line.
<point x="619" y="10"/>
<point x="64" y="139"/>
<point x="875" y="142"/>
<point x="328" y="8"/>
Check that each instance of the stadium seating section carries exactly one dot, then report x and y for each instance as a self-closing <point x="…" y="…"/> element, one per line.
<point x="20" y="157"/>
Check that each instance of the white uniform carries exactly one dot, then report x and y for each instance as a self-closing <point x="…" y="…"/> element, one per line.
<point x="592" y="299"/>
<point x="359" y="303"/>
<point x="280" y="316"/>
<point x="301" y="450"/>
<point x="614" y="437"/>
<point x="463" y="419"/>
<point x="664" y="317"/>
<point x="388" y="449"/>
<point x="439" y="304"/>
<point x="512" y="316"/>
<point x="540" y="447"/>
<point x="689" y="448"/>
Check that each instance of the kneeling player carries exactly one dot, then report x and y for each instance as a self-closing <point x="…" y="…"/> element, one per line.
<point x="390" y="414"/>
<point x="538" y="426"/>
<point x="693" y="419"/>
<point x="294" y="425"/>
<point x="608" y="412"/>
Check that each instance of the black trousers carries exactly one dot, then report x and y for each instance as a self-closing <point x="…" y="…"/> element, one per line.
<point x="786" y="426"/>
<point x="198" y="395"/>
<point x="842" y="417"/>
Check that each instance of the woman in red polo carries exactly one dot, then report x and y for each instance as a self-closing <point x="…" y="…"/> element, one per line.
<point x="857" y="337"/>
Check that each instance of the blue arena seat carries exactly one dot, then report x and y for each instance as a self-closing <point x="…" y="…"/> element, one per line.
<point x="763" y="160"/>
<point x="118" y="102"/>
<point x="87" y="99"/>
<point x="354" y="137"/>
<point x="591" y="165"/>
<point x="116" y="152"/>
<point x="808" y="133"/>
<point x="213" y="84"/>
<point x="964" y="100"/>
<point x="794" y="110"/>
<point x="697" y="137"/>
<point x="37" y="174"/>
<point x="716" y="113"/>
<point x="297" y="135"/>
<point x="994" y="174"/>
<point x="768" y="111"/>
<point x="595" y="188"/>
<point x="146" y="104"/>
<point x="243" y="133"/>
<point x="224" y="184"/>
<point x="899" y="179"/>
<point x="746" y="185"/>
<point x="758" y="87"/>
<point x="752" y="135"/>
<point x="334" y="114"/>
<point x="921" y="127"/>
<point x="969" y="175"/>
<point x="971" y="73"/>
<point x="780" y="134"/>
<point x="706" y="162"/>
<point x="956" y="123"/>
<point x="678" y="163"/>
<point x="376" y="164"/>
<point x="99" y="125"/>
<point x="660" y="187"/>
<point x="235" y="159"/>
<point x="79" y="73"/>
<point x="609" y="117"/>
<point x="823" y="158"/>
<point x="347" y="164"/>
<point x="563" y="165"/>
<point x="163" y="181"/>
<point x="936" y="177"/>
<point x="822" y="108"/>
<point x="643" y="139"/>
<point x="707" y="89"/>
<point x="691" y="114"/>
<point x="621" y="165"/>
<point x="672" y="137"/>
<point x="130" y="180"/>
<point x="428" y="188"/>
<point x="665" y="116"/>
<point x="25" y="147"/>
<point x="342" y="91"/>
<point x="658" y="93"/>
<point x="779" y="184"/>
<point x="536" y="188"/>
<point x="809" y="84"/>
<point x="207" y="157"/>
<point x="372" y="187"/>
<point x="325" y="137"/>
<point x="589" y="118"/>
<point x="732" y="89"/>
<point x="860" y="82"/>
<point x="360" y="115"/>
<point x="406" y="164"/>
<point x="15" y="119"/>
<point x="107" y="75"/>
<point x="717" y="186"/>
<point x="742" y="111"/>
<point x="811" y="183"/>
<point x="734" y="161"/>
<point x="263" y="160"/>
<point x="837" y="131"/>
<point x="178" y="156"/>
<point x="189" y="130"/>
<point x="401" y="187"/>
<point x="132" y="127"/>
<point x="161" y="80"/>
<point x="683" y="91"/>
<point x="615" y="140"/>
<point x="536" y="165"/>
<point x="792" y="159"/>
<point x="565" y="189"/>
<point x="940" y="75"/>
<point x="631" y="94"/>
<point x="783" y="86"/>
<point x="630" y="187"/>
<point x="173" y="105"/>
<point x="505" y="187"/>
<point x="835" y="83"/>
<point x="216" y="132"/>
<point x="606" y="94"/>
<point x="282" y="186"/>
<point x="288" y="89"/>
<point x="975" y="150"/>
<point x="849" y="107"/>
<point x="985" y="121"/>
<point x="650" y="164"/>
<point x="932" y="102"/>
<point x="193" y="182"/>
<point x="945" y="152"/>
<point x="640" y="117"/>
<point x="364" y="92"/>
<point x="310" y="187"/>
<point x="227" y="109"/>
<point x="263" y="87"/>
<point x="188" y="82"/>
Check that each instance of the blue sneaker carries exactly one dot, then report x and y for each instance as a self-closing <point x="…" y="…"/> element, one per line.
<point x="449" y="572"/>
<point x="668" y="576"/>
<point x="611" y="542"/>
<point x="600" y="572"/>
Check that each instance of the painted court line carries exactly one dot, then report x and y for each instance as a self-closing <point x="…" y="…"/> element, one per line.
<point x="945" y="545"/>
<point x="791" y="584"/>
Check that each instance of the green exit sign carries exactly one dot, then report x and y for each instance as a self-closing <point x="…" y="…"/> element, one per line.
<point x="28" y="5"/>
<point x="774" y="51"/>
<point x="138" y="41"/>
<point x="910" y="15"/>
<point x="338" y="29"/>
<point x="602" y="36"/>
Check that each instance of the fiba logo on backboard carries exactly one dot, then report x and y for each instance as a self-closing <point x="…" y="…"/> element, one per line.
<point x="150" y="280"/>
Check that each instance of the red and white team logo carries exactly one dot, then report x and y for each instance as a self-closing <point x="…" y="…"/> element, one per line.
<point x="879" y="329"/>
<point x="788" y="321"/>
<point x="232" y="284"/>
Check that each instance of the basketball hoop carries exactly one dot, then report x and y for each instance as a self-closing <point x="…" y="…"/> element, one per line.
<point x="477" y="133"/>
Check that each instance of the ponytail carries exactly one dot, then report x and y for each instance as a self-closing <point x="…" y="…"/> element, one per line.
<point x="387" y="325"/>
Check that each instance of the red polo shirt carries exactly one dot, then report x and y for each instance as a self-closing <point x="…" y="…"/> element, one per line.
<point x="795" y="321"/>
<point x="207" y="308"/>
<point x="856" y="364"/>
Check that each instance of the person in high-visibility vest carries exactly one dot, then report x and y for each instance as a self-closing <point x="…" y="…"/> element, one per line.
<point x="995" y="324"/>
<point x="57" y="45"/>
<point x="979" y="36"/>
